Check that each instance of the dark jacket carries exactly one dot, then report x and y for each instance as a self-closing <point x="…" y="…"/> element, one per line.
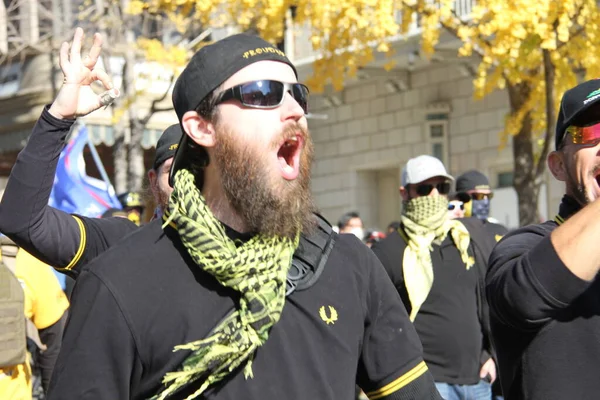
<point x="545" y="320"/>
<point x="454" y="308"/>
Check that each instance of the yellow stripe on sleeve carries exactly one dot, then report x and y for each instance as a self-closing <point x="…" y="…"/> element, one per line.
<point x="559" y="220"/>
<point x="399" y="383"/>
<point x="82" y="242"/>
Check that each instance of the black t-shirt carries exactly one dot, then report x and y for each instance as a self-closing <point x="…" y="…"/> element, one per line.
<point x="61" y="240"/>
<point x="141" y="298"/>
<point x="484" y="237"/>
<point x="496" y="230"/>
<point x="448" y="321"/>
<point x="545" y="320"/>
<point x="484" y="234"/>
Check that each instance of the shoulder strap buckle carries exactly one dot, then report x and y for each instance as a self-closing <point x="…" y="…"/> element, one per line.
<point x="310" y="257"/>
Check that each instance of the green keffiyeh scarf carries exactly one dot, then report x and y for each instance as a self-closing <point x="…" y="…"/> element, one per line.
<point x="424" y="220"/>
<point x="257" y="270"/>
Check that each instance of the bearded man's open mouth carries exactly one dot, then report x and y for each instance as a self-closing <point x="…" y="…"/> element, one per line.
<point x="288" y="156"/>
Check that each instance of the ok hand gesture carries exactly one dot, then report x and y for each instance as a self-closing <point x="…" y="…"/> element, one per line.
<point x="76" y="97"/>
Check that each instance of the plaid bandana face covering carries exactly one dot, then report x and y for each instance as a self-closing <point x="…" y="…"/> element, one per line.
<point x="428" y="212"/>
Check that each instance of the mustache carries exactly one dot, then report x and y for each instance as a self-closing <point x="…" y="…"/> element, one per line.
<point x="289" y="132"/>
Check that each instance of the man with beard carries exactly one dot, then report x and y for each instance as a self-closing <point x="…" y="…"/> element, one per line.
<point x="64" y="241"/>
<point x="543" y="290"/>
<point x="432" y="264"/>
<point x="195" y="305"/>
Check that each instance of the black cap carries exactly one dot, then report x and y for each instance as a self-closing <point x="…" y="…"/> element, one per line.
<point x="210" y="67"/>
<point x="573" y="105"/>
<point x="131" y="199"/>
<point x="114" y="212"/>
<point x="470" y="180"/>
<point x="167" y="145"/>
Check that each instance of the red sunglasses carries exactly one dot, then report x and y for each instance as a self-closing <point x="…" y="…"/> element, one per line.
<point x="586" y="135"/>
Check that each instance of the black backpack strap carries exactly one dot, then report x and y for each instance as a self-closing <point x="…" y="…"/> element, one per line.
<point x="310" y="256"/>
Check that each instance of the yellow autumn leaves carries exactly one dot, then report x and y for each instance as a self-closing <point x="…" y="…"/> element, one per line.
<point x="345" y="33"/>
<point x="507" y="37"/>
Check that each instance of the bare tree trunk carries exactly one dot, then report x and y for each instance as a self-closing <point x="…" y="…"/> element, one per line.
<point x="527" y="187"/>
<point x="133" y="170"/>
<point x="54" y="71"/>
<point x="529" y="163"/>
<point x="549" y="75"/>
<point x="120" y="158"/>
<point x="120" y="146"/>
<point x="136" y="153"/>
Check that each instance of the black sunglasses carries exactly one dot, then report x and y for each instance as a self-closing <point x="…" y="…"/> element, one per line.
<point x="426" y="188"/>
<point x="265" y="94"/>
<point x="452" y="206"/>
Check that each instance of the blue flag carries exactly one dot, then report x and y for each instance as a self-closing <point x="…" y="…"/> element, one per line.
<point x="74" y="191"/>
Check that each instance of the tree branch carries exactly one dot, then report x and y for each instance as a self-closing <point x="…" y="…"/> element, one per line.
<point x="571" y="36"/>
<point x="454" y="32"/>
<point x="447" y="27"/>
<point x="549" y="74"/>
<point x="577" y="32"/>
<point x="154" y="106"/>
<point x="162" y="109"/>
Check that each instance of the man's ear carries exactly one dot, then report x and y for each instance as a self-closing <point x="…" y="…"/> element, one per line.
<point x="199" y="129"/>
<point x="557" y="166"/>
<point x="153" y="180"/>
<point x="404" y="193"/>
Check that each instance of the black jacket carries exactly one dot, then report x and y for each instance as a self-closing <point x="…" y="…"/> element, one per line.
<point x="545" y="320"/>
<point x="133" y="304"/>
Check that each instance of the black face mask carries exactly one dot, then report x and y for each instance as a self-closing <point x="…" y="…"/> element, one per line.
<point x="480" y="208"/>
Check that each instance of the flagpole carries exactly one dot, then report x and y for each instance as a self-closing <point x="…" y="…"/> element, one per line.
<point x="98" y="163"/>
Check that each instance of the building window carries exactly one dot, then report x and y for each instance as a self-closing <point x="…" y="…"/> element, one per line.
<point x="150" y="138"/>
<point x="437" y="117"/>
<point x="505" y="179"/>
<point x="10" y="79"/>
<point x="436" y="131"/>
<point x="438" y="151"/>
<point x="437" y="135"/>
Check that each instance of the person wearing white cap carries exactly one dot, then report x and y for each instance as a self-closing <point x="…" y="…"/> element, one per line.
<point x="432" y="263"/>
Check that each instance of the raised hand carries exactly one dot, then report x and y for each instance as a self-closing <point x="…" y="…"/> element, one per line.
<point x="76" y="97"/>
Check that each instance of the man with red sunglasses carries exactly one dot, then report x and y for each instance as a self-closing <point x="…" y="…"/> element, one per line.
<point x="199" y="304"/>
<point x="543" y="289"/>
<point x="433" y="266"/>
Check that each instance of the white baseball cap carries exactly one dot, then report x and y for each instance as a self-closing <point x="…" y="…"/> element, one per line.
<point x="421" y="168"/>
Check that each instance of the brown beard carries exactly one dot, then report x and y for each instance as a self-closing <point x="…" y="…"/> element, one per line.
<point x="163" y="199"/>
<point x="577" y="188"/>
<point x="282" y="208"/>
